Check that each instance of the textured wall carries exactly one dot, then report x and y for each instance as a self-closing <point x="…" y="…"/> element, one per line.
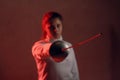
<point x="20" y="28"/>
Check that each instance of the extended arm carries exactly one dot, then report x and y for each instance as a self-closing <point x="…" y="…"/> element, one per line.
<point x="40" y="50"/>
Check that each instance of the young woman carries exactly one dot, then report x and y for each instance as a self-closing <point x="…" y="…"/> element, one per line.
<point x="48" y="69"/>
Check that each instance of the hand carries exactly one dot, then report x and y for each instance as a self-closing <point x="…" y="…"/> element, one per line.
<point x="56" y="51"/>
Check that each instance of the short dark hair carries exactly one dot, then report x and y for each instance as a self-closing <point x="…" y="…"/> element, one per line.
<point x="47" y="18"/>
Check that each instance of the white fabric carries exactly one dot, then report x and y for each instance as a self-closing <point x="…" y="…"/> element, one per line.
<point x="48" y="69"/>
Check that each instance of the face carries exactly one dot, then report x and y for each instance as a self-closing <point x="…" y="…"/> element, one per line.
<point x="54" y="29"/>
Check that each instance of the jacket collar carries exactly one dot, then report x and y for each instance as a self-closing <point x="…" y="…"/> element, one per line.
<point x="53" y="40"/>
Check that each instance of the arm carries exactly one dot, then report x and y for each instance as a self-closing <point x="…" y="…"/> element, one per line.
<point x="40" y="50"/>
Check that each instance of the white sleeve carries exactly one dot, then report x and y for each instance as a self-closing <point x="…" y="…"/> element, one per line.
<point x="41" y="51"/>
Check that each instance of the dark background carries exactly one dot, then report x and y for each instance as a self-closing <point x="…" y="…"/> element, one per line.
<point x="20" y="22"/>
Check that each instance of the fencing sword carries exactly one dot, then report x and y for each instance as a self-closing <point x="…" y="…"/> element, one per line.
<point x="59" y="50"/>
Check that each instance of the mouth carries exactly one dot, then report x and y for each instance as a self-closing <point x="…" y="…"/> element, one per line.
<point x="56" y="33"/>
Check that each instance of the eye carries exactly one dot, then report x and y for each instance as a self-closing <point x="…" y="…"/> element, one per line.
<point x="51" y="27"/>
<point x="58" y="25"/>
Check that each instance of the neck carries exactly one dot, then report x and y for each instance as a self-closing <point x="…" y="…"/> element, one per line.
<point x="52" y="39"/>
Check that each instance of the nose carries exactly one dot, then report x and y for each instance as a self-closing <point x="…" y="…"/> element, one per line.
<point x="56" y="29"/>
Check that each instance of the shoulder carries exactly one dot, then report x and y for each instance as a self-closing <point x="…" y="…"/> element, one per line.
<point x="39" y="42"/>
<point x="68" y="43"/>
<point x="38" y="45"/>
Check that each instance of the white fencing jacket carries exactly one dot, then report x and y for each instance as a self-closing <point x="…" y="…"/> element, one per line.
<point x="48" y="69"/>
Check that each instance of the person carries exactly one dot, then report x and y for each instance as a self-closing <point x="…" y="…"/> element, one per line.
<point x="48" y="69"/>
